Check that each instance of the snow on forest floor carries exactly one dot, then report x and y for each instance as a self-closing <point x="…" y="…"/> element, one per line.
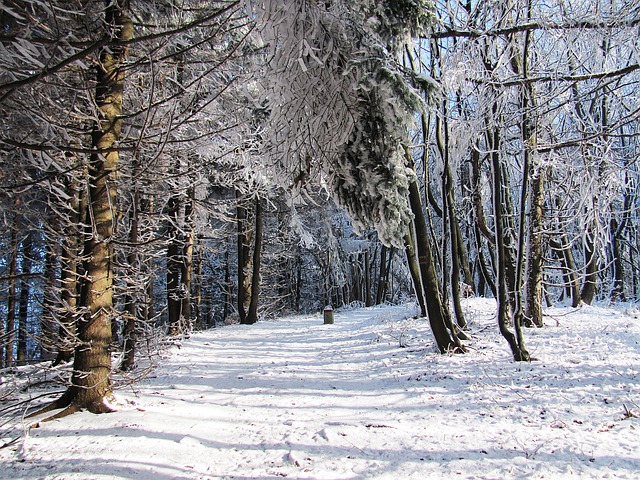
<point x="367" y="397"/>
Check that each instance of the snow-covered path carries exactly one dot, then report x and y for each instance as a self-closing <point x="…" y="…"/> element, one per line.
<point x="366" y="397"/>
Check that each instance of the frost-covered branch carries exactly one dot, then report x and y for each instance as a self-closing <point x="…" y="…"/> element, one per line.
<point x="339" y="105"/>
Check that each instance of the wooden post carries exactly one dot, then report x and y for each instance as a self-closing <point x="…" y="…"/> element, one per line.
<point x="328" y="315"/>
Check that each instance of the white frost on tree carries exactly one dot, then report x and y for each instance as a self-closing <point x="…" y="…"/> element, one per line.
<point x="339" y="104"/>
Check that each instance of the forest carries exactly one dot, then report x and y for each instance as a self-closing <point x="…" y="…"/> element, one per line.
<point x="173" y="166"/>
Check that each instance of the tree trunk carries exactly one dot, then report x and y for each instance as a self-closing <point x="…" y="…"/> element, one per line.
<point x="485" y="271"/>
<point x="356" y="278"/>
<point x="252" y="314"/>
<point x="509" y="231"/>
<point x="25" y="294"/>
<point x="617" y="292"/>
<point x="298" y="280"/>
<point x="591" y="269"/>
<point x="132" y="300"/>
<point x="186" y="266"/>
<point x="569" y="267"/>
<point x="367" y="279"/>
<point x="70" y="272"/>
<point x="463" y="256"/>
<point x="174" y="267"/>
<point x="198" y="314"/>
<point x="380" y="291"/>
<point x="414" y="269"/>
<point x="504" y="302"/>
<point x="244" y="260"/>
<point x="10" y="324"/>
<point x="533" y="284"/>
<point x="90" y="382"/>
<point x="476" y="196"/>
<point x="227" y="285"/>
<point x="440" y="321"/>
<point x="456" y="242"/>
<point x="48" y="325"/>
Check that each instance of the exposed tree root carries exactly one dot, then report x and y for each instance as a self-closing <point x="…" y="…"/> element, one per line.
<point x="62" y="402"/>
<point x="73" y="408"/>
<point x="70" y="403"/>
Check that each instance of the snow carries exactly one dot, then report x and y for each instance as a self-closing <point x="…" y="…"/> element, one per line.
<point x="366" y="397"/>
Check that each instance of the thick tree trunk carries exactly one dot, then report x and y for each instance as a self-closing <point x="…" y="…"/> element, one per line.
<point x="90" y="382"/>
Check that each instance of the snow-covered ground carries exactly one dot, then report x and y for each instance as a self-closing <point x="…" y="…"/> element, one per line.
<point x="367" y="397"/>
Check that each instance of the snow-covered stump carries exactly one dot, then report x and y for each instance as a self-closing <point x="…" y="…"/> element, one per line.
<point x="328" y="315"/>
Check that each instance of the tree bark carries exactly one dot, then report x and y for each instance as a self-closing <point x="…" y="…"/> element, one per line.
<point x="48" y="325"/>
<point x="131" y="303"/>
<point x="617" y="292"/>
<point x="25" y="295"/>
<point x="367" y="279"/>
<point x="504" y="302"/>
<point x="476" y="196"/>
<point x="414" y="269"/>
<point x="531" y="312"/>
<point x="456" y="247"/>
<point x="382" y="275"/>
<point x="244" y="259"/>
<point x="439" y="319"/>
<point x="298" y="280"/>
<point x="174" y="267"/>
<point x="198" y="313"/>
<point x="569" y="266"/>
<point x="588" y="291"/>
<point x="533" y="285"/>
<point x="485" y="270"/>
<point x="90" y="382"/>
<point x="227" y="285"/>
<point x="70" y="272"/>
<point x="252" y="314"/>
<point x="10" y="324"/>
<point x="186" y="266"/>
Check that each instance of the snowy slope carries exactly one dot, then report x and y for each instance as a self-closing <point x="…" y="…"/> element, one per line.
<point x="367" y="397"/>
